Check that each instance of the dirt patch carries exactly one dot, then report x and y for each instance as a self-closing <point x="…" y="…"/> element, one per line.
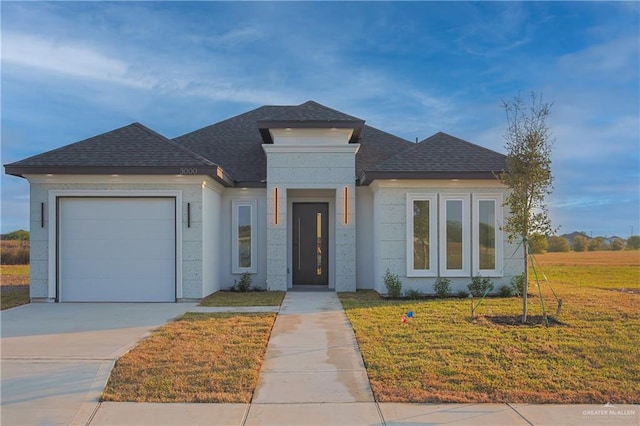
<point x="516" y="320"/>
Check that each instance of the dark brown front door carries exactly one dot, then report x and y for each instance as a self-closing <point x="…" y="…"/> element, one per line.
<point x="310" y="243"/>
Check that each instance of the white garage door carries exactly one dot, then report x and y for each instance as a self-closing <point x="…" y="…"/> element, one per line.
<point x="117" y="250"/>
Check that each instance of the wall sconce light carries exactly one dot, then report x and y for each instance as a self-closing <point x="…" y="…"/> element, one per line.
<point x="275" y="205"/>
<point x="346" y="205"/>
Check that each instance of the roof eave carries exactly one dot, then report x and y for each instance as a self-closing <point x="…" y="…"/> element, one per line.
<point x="265" y="125"/>
<point x="214" y="171"/>
<point x="367" y="177"/>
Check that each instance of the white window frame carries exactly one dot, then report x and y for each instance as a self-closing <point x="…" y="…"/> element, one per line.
<point x="466" y="236"/>
<point x="499" y="238"/>
<point x="433" y="235"/>
<point x="235" y="205"/>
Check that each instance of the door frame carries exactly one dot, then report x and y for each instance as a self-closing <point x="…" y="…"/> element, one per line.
<point x="312" y="198"/>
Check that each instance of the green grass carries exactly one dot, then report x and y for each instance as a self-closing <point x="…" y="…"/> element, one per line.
<point x="197" y="358"/>
<point x="251" y="298"/>
<point x="442" y="355"/>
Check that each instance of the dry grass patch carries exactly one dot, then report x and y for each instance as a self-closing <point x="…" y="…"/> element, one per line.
<point x="197" y="358"/>
<point x="444" y="356"/>
<point x="249" y="298"/>
<point x="14" y="290"/>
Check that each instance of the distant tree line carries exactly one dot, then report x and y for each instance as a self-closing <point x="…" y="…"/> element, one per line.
<point x="580" y="242"/>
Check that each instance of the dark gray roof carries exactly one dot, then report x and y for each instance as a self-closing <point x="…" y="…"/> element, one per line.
<point x="309" y="115"/>
<point x="439" y="156"/>
<point x="133" y="149"/>
<point x="231" y="150"/>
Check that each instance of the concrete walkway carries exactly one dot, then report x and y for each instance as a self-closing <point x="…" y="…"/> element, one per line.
<point x="56" y="360"/>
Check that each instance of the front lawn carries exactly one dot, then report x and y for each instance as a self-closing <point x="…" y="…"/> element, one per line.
<point x="197" y="358"/>
<point x="248" y="298"/>
<point x="442" y="355"/>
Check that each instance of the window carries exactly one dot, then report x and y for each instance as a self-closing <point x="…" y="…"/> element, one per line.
<point x="243" y="236"/>
<point x="422" y="222"/>
<point x="454" y="235"/>
<point x="487" y="236"/>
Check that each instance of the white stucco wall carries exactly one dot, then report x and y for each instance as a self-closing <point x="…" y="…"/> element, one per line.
<point x="227" y="277"/>
<point x="390" y="233"/>
<point x="364" y="238"/>
<point x="191" y="270"/>
<point x="320" y="167"/>
<point x="211" y="236"/>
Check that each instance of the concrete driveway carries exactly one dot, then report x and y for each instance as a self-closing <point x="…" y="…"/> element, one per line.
<point x="56" y="358"/>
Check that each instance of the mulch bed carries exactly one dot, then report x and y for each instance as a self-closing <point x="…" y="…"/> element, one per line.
<point x="516" y="320"/>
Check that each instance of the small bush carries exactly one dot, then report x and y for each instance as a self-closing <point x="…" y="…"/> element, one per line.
<point x="463" y="294"/>
<point x="414" y="294"/>
<point x="517" y="284"/>
<point x="442" y="287"/>
<point x="505" y="291"/>
<point x="393" y="284"/>
<point x="243" y="285"/>
<point x="479" y="286"/>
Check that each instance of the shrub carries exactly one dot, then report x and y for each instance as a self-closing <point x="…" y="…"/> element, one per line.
<point x="462" y="294"/>
<point x="414" y="294"/>
<point x="617" y="244"/>
<point x="479" y="286"/>
<point x="244" y="284"/>
<point x="580" y="243"/>
<point x="442" y="287"/>
<point x="393" y="284"/>
<point x="505" y="291"/>
<point x="538" y="244"/>
<point x="558" y="244"/>
<point x="633" y="242"/>
<point x="517" y="284"/>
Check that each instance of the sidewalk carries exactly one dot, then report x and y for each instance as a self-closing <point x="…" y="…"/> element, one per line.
<point x="313" y="374"/>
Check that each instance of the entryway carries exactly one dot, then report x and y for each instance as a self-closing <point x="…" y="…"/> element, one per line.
<point x="310" y="245"/>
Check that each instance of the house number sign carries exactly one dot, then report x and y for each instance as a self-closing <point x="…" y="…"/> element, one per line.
<point x="189" y="171"/>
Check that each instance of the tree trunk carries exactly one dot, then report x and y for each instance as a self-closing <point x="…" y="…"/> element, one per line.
<point x="525" y="290"/>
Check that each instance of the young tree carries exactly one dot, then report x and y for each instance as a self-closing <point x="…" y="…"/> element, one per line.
<point x="528" y="175"/>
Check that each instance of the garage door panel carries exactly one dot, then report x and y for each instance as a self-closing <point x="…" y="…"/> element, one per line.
<point x="117" y="249"/>
<point x="120" y="230"/>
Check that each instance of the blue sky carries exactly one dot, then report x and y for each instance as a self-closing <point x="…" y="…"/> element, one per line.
<point x="74" y="70"/>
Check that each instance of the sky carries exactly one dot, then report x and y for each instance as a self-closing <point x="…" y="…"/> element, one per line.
<point x="72" y="70"/>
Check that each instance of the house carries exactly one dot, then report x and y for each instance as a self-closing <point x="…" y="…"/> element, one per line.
<point x="294" y="195"/>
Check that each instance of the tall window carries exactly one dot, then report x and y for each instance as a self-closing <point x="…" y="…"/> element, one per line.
<point x="244" y="236"/>
<point x="487" y="237"/>
<point x="421" y="235"/>
<point x="454" y="235"/>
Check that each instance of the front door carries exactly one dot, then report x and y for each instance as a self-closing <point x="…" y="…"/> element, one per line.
<point x="310" y="243"/>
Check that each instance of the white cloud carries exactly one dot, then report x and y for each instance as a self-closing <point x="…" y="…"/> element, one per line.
<point x="67" y="59"/>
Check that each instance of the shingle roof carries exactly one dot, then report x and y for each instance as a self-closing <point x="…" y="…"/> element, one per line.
<point x="234" y="146"/>
<point x="440" y="155"/>
<point x="133" y="149"/>
<point x="307" y="115"/>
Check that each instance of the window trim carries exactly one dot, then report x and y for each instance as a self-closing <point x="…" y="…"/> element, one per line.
<point x="235" y="205"/>
<point x="466" y="236"/>
<point x="499" y="237"/>
<point x="433" y="235"/>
